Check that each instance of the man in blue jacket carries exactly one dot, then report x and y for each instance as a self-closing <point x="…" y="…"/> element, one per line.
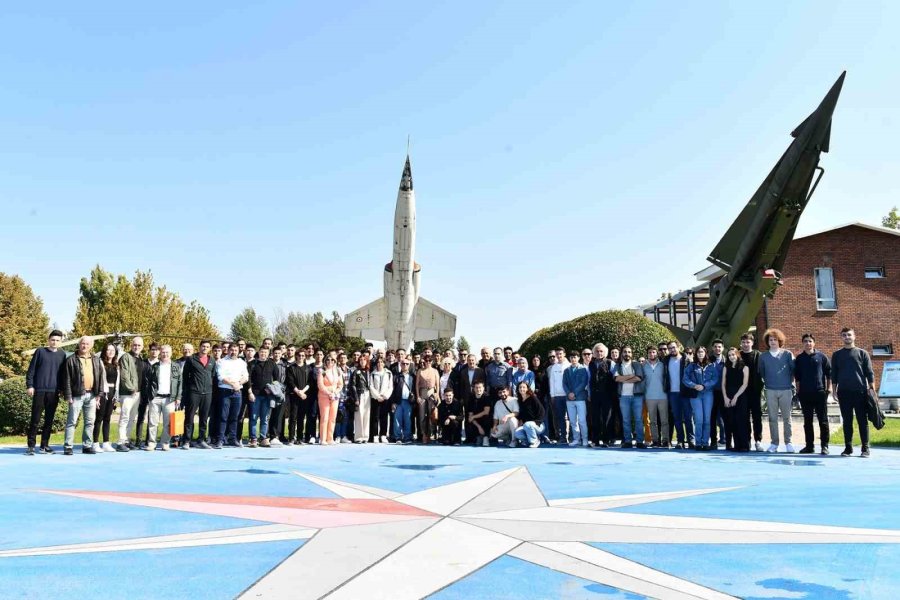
<point x="576" y="382"/>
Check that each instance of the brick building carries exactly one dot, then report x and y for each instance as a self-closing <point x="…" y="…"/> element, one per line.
<point x="848" y="275"/>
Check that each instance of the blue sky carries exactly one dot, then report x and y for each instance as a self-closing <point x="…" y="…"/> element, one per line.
<point x="567" y="157"/>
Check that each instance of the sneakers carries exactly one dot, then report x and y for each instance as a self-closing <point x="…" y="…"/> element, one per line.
<point x="848" y="451"/>
<point x="203" y="445"/>
<point x="96" y="448"/>
<point x="772" y="448"/>
<point x="253" y="443"/>
<point x="107" y="447"/>
<point x="573" y="443"/>
<point x="122" y="448"/>
<point x="485" y="441"/>
<point x="264" y="443"/>
<point x="384" y="439"/>
<point x="185" y="446"/>
<point x="67" y="451"/>
<point x="165" y="447"/>
<point x="534" y="444"/>
<point x="512" y="443"/>
<point x="824" y="451"/>
<point x="789" y="448"/>
<point x="586" y="444"/>
<point x="217" y="446"/>
<point x="276" y="443"/>
<point x="88" y="450"/>
<point x="758" y="446"/>
<point x="865" y="452"/>
<point x="29" y="451"/>
<point x="807" y="450"/>
<point x="344" y="440"/>
<point x="47" y="450"/>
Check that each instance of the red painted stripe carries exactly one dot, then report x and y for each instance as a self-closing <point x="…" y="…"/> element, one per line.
<point x="383" y="507"/>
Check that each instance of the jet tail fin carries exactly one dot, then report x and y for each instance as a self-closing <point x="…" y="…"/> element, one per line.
<point x="433" y="322"/>
<point x="366" y="322"/>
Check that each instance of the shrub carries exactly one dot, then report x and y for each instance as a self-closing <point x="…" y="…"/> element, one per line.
<point x="615" y="328"/>
<point x="15" y="408"/>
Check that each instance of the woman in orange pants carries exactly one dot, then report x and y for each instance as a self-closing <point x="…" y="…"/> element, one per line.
<point x="330" y="383"/>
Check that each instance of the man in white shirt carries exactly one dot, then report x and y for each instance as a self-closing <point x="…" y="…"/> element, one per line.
<point x="506" y="413"/>
<point x="558" y="366"/>
<point x="164" y="386"/>
<point x="231" y="374"/>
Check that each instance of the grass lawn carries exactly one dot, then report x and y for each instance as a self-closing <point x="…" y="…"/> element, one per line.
<point x="888" y="436"/>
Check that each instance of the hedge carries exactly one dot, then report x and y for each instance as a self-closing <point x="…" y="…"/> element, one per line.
<point x="615" y="328"/>
<point x="15" y="408"/>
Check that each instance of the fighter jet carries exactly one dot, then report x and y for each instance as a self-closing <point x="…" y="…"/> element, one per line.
<point x="401" y="317"/>
<point x="753" y="251"/>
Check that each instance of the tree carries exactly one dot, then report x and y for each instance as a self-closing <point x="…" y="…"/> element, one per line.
<point x="615" y="328"/>
<point x="328" y="334"/>
<point x="249" y="326"/>
<point x="892" y="220"/>
<point x="462" y="344"/>
<point x="438" y="346"/>
<point x="109" y="304"/>
<point x="294" y="326"/>
<point x="23" y="324"/>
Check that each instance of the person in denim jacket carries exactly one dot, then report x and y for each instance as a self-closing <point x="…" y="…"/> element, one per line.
<point x="702" y="376"/>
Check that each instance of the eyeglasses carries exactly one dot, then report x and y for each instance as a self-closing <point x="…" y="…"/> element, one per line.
<point x="585" y="353"/>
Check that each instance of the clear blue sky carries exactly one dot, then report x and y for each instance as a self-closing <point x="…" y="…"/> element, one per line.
<point x="567" y="157"/>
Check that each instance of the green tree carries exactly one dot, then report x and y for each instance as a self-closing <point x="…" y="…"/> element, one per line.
<point x="109" y="304"/>
<point x="250" y="326"/>
<point x="462" y="344"/>
<point x="615" y="328"/>
<point x="23" y="324"/>
<point x="892" y="220"/>
<point x="294" y="326"/>
<point x="328" y="334"/>
<point x="438" y="346"/>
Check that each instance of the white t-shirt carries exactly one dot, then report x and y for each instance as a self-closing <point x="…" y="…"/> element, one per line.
<point x="500" y="410"/>
<point x="555" y="377"/>
<point x="627" y="369"/>
<point x="164" y="387"/>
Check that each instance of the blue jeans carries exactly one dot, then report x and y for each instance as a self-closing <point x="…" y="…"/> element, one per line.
<point x="559" y="415"/>
<point x="632" y="409"/>
<point x="577" y="411"/>
<point x="231" y="407"/>
<point x="403" y="422"/>
<point x="681" y="410"/>
<point x="260" y="409"/>
<point x="340" y="428"/>
<point x="530" y="432"/>
<point x="701" y="406"/>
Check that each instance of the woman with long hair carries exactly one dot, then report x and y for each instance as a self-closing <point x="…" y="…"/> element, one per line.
<point x="107" y="401"/>
<point x="381" y="387"/>
<point x="735" y="379"/>
<point x="359" y="391"/>
<point x="702" y="377"/>
<point x="531" y="416"/>
<point x="330" y="382"/>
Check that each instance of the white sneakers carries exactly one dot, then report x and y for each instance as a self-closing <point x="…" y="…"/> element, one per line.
<point x="344" y="440"/>
<point x="107" y="447"/>
<point x="772" y="448"/>
<point x="758" y="446"/>
<point x="275" y="442"/>
<point x="384" y="439"/>
<point x="96" y="447"/>
<point x="789" y="448"/>
<point x="572" y="444"/>
<point x="485" y="441"/>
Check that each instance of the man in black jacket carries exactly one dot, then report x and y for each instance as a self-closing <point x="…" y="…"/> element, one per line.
<point x="262" y="373"/>
<point x="42" y="384"/>
<point x="297" y="389"/>
<point x="83" y="380"/>
<point x="450" y="419"/>
<point x="679" y="395"/>
<point x="402" y="401"/>
<point x="852" y="380"/>
<point x="198" y="371"/>
<point x="750" y="357"/>
<point x="603" y="396"/>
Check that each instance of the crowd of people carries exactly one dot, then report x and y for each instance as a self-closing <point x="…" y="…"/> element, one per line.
<point x="668" y="397"/>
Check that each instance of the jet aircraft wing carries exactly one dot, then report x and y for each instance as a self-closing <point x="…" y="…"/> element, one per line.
<point x="433" y="322"/>
<point x="367" y="322"/>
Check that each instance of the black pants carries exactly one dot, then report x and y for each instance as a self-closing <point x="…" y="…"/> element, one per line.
<point x="854" y="402"/>
<point x="472" y="432"/>
<point x="604" y="428"/>
<point x="423" y="416"/>
<point x="450" y="434"/>
<point x="349" y="423"/>
<point x="45" y="402"/>
<point x="103" y="417"/>
<point x="815" y="403"/>
<point x="754" y="404"/>
<point x="196" y="403"/>
<point x="215" y="416"/>
<point x="737" y="424"/>
<point x="139" y="428"/>
<point x="243" y="413"/>
<point x="378" y="419"/>
<point x="716" y="421"/>
<point x="276" y="422"/>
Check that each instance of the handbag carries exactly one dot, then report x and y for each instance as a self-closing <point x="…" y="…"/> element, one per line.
<point x="176" y="423"/>
<point x="876" y="415"/>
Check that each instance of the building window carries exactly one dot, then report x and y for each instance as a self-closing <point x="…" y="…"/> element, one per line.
<point x="882" y="350"/>
<point x="874" y="272"/>
<point x="825" y="296"/>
